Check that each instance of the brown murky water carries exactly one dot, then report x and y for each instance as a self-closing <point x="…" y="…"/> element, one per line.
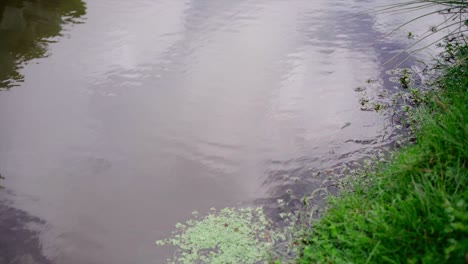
<point x="123" y="117"/>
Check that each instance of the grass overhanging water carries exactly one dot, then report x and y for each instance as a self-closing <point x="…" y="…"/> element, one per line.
<point x="412" y="209"/>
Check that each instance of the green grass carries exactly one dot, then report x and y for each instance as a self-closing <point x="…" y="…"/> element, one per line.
<point x="412" y="209"/>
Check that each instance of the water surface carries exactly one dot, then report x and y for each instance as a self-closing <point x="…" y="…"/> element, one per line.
<point x="122" y="117"/>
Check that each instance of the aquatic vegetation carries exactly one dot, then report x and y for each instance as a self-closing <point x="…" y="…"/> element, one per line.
<point x="231" y="235"/>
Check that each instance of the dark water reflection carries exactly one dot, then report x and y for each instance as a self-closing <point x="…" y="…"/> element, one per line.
<point x="26" y="29"/>
<point x="19" y="236"/>
<point x="149" y="110"/>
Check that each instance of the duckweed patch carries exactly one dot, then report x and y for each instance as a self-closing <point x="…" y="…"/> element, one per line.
<point x="230" y="235"/>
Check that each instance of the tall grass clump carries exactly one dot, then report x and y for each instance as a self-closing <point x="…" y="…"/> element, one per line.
<point x="413" y="209"/>
<point x="450" y="30"/>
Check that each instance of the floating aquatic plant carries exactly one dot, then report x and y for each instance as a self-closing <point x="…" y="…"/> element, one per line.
<point x="230" y="235"/>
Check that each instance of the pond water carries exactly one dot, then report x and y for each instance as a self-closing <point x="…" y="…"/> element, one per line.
<point x="119" y="118"/>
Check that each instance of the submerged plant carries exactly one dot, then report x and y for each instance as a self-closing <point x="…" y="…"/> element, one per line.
<point x="405" y="79"/>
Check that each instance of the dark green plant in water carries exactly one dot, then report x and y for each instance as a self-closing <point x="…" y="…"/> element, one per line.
<point x="405" y="79"/>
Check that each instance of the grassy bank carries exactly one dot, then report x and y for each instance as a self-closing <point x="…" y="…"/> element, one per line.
<point x="412" y="209"/>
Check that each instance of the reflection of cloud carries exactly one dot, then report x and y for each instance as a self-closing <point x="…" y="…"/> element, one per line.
<point x="19" y="243"/>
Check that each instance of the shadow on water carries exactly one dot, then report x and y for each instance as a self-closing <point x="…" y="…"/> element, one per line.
<point x="27" y="28"/>
<point x="19" y="236"/>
